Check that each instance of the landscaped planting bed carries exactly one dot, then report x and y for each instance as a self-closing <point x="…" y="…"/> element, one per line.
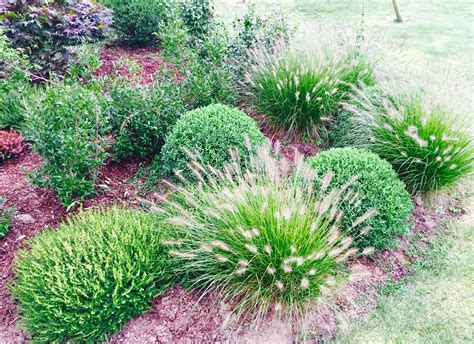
<point x="179" y="183"/>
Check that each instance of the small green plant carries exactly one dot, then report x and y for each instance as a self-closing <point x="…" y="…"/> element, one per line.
<point x="261" y="237"/>
<point x="140" y="22"/>
<point x="66" y="125"/>
<point x="83" y="281"/>
<point x="297" y="89"/>
<point x="428" y="145"/>
<point x="5" y="217"/>
<point x="142" y="115"/>
<point x="210" y="133"/>
<point x="377" y="187"/>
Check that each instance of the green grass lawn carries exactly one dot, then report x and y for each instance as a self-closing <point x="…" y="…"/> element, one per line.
<point x="435" y="33"/>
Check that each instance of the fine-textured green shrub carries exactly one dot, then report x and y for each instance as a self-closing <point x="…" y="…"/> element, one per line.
<point x="5" y="217"/>
<point x="197" y="16"/>
<point x="428" y="145"/>
<point x="141" y="116"/>
<point x="85" y="280"/>
<point x="46" y="29"/>
<point x="377" y="187"/>
<point x="139" y="22"/>
<point x="66" y="125"/>
<point x="261" y="237"/>
<point x="211" y="133"/>
<point x="296" y="89"/>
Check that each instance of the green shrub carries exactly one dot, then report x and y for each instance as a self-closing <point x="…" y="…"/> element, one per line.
<point x="197" y="16"/>
<point x="259" y="236"/>
<point x="210" y="132"/>
<point x="377" y="187"/>
<point x="141" y="116"/>
<point x="428" y="145"/>
<point x="66" y="125"/>
<point x="139" y="22"/>
<point x="297" y="89"/>
<point x="5" y="217"/>
<point x="85" y="280"/>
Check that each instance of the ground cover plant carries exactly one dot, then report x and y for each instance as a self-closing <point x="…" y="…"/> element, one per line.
<point x="209" y="134"/>
<point x="67" y="126"/>
<point x="297" y="89"/>
<point x="5" y="217"/>
<point x="46" y="29"/>
<point x="85" y="279"/>
<point x="427" y="144"/>
<point x="377" y="187"/>
<point x="263" y="238"/>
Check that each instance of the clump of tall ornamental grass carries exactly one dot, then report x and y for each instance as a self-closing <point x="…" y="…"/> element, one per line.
<point x="297" y="89"/>
<point x="427" y="144"/>
<point x="262" y="238"/>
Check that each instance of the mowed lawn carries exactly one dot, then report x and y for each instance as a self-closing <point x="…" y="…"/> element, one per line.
<point x="437" y="303"/>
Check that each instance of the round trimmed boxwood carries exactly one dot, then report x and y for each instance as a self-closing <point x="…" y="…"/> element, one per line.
<point x="211" y="132"/>
<point x="86" y="279"/>
<point x="377" y="187"/>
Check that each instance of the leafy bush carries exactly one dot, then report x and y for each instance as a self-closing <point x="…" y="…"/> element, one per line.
<point x="261" y="237"/>
<point x="15" y="85"/>
<point x="139" y="22"/>
<point x="85" y="280"/>
<point x="254" y="31"/>
<point x="5" y="217"/>
<point x="45" y="29"/>
<point x="141" y="116"/>
<point x="206" y="75"/>
<point x="210" y="132"/>
<point x="377" y="187"/>
<point x="428" y="145"/>
<point x="197" y="16"/>
<point x="296" y="89"/>
<point x="66" y="125"/>
<point x="11" y="144"/>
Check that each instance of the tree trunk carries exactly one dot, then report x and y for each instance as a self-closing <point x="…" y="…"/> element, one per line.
<point x="397" y="12"/>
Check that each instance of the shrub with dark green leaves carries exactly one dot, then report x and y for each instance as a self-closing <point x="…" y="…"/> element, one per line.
<point x="377" y="187"/>
<point x="210" y="132"/>
<point x="45" y="29"/>
<point x="83" y="281"/>
<point x="297" y="89"/>
<point x="5" y="217"/>
<point x="428" y="145"/>
<point x="140" y="22"/>
<point x="198" y="16"/>
<point x="142" y="115"/>
<point x="66" y="124"/>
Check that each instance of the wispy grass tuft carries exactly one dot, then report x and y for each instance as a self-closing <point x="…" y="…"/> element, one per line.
<point x="262" y="238"/>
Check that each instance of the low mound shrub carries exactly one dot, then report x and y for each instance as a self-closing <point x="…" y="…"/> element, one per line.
<point x="5" y="217"/>
<point x="141" y="116"/>
<point x="210" y="133"/>
<point x="377" y="187"/>
<point x="46" y="29"/>
<point x="428" y="145"/>
<point x="67" y="127"/>
<point x="85" y="280"/>
<point x="11" y="144"/>
<point x="261" y="237"/>
<point x="297" y="89"/>
<point x="139" y="22"/>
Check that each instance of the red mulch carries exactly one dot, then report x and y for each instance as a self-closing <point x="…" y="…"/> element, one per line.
<point x="115" y="61"/>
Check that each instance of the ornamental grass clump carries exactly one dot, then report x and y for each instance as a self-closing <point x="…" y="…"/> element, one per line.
<point x="83" y="281"/>
<point x="297" y="89"/>
<point x="428" y="145"/>
<point x="263" y="237"/>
